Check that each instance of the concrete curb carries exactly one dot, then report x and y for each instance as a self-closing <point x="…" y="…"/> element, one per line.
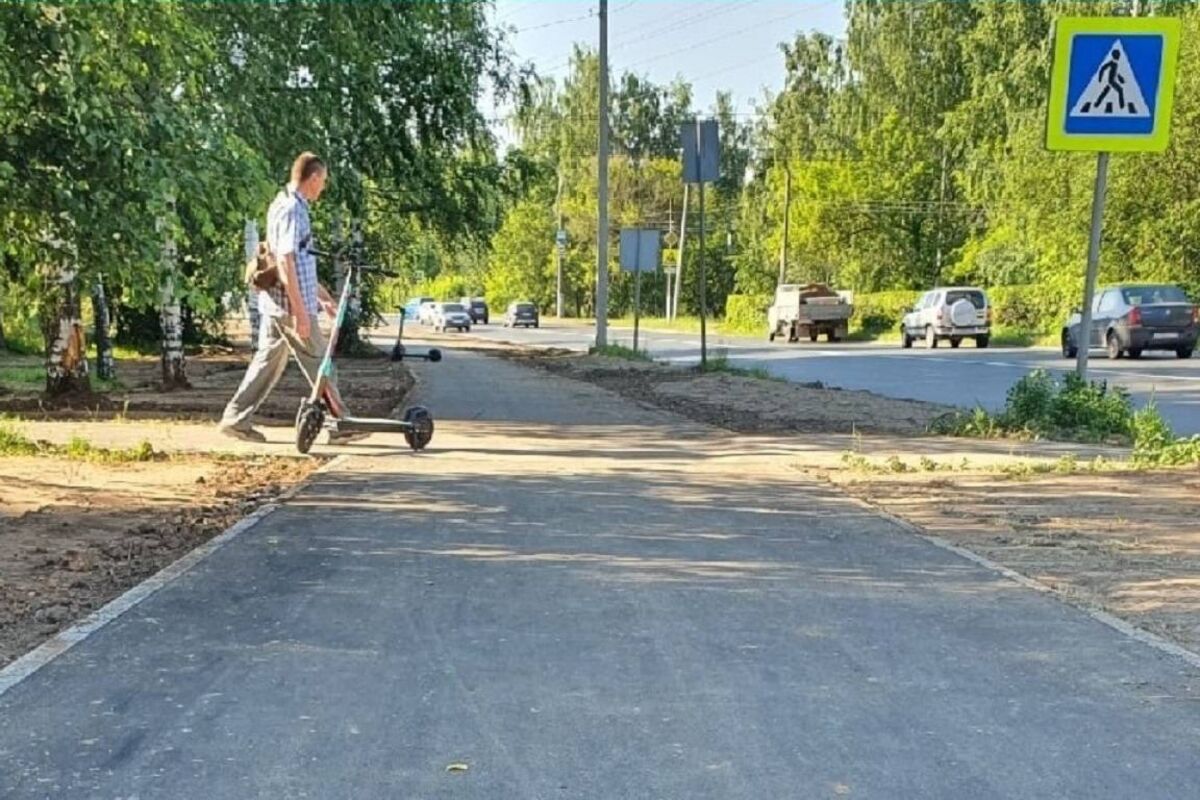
<point x="1103" y="617"/>
<point x="64" y="640"/>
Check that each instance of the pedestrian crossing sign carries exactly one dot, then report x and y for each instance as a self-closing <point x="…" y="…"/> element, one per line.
<point x="1113" y="84"/>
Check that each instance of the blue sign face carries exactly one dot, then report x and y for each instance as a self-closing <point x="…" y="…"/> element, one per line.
<point x="1113" y="85"/>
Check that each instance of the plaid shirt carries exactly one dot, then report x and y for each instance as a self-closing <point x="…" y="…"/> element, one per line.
<point x="289" y="231"/>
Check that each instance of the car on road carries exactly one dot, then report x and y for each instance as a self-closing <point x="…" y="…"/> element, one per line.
<point x="450" y="315"/>
<point x="521" y="314"/>
<point x="952" y="313"/>
<point x="425" y="311"/>
<point x="477" y="307"/>
<point x="412" y="309"/>
<point x="1132" y="318"/>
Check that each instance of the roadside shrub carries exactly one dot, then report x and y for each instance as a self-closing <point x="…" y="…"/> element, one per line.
<point x="1155" y="445"/>
<point x="746" y="313"/>
<point x="1038" y="406"/>
<point x="877" y="312"/>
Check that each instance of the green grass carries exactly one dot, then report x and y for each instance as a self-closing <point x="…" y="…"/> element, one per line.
<point x="22" y="377"/>
<point x="720" y="363"/>
<point x="15" y="443"/>
<point x="28" y="374"/>
<point x="619" y="351"/>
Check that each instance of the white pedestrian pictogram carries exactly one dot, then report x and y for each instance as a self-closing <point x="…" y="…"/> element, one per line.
<point x="1113" y="91"/>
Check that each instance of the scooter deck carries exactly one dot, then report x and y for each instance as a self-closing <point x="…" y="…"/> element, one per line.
<point x="367" y="424"/>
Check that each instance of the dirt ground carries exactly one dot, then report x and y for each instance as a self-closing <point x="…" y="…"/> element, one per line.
<point x="373" y="386"/>
<point x="740" y="403"/>
<point x="74" y="534"/>
<point x="1124" y="541"/>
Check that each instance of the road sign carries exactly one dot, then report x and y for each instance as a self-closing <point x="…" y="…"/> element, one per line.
<point x="640" y="249"/>
<point x="701" y="151"/>
<point x="1113" y="84"/>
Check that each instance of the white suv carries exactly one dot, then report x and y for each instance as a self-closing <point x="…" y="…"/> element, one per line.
<point x="954" y="313"/>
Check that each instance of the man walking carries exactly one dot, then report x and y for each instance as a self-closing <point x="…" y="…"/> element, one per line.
<point x="288" y="309"/>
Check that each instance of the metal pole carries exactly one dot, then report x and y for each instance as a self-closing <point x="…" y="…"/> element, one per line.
<point x="602" y="184"/>
<point x="703" y="297"/>
<point x="1084" y="340"/>
<point x="787" y="223"/>
<point x="679" y="254"/>
<point x="558" y="249"/>
<point x="637" y="299"/>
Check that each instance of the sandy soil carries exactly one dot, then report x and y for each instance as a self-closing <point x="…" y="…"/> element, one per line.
<point x="739" y="403"/>
<point x="372" y="386"/>
<point x="73" y="535"/>
<point x="1126" y="542"/>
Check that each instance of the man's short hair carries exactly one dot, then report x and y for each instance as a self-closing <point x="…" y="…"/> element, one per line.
<point x="305" y="166"/>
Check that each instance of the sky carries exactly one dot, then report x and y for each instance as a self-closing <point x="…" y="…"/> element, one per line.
<point x="713" y="44"/>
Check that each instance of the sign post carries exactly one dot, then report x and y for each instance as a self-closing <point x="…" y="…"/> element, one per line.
<point x="1111" y="90"/>
<point x="701" y="164"/>
<point x="640" y="251"/>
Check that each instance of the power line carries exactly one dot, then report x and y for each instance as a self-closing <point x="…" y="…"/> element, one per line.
<point x="717" y="38"/>
<point x="591" y="13"/>
<point x="683" y="23"/>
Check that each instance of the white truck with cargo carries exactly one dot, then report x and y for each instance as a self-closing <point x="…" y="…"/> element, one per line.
<point x="809" y="309"/>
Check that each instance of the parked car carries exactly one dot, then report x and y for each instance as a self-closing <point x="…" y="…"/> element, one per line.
<point x="450" y="315"/>
<point x="521" y="314"/>
<point x="412" y="309"/>
<point x="809" y="310"/>
<point x="1132" y="318"/>
<point x="477" y="307"/>
<point x="425" y="311"/>
<point x="950" y="314"/>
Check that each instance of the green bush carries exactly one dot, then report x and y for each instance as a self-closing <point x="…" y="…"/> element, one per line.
<point x="1038" y="406"/>
<point x="746" y="313"/>
<point x="877" y="312"/>
<point x="1018" y="312"/>
<point x="1155" y="445"/>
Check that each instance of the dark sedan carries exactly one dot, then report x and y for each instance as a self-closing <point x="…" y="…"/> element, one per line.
<point x="1130" y="319"/>
<point x="525" y="314"/>
<point x="477" y="307"/>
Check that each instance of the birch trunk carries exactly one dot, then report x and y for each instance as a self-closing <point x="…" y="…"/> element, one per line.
<point x="174" y="368"/>
<point x="3" y="343"/>
<point x="105" y="365"/>
<point x="66" y="348"/>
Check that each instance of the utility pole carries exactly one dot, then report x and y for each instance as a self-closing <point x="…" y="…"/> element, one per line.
<point x="703" y="277"/>
<point x="787" y="221"/>
<point x="679" y="254"/>
<point x="558" y="247"/>
<point x="602" y="184"/>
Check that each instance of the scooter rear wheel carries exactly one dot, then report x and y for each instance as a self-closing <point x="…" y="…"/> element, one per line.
<point x="420" y="433"/>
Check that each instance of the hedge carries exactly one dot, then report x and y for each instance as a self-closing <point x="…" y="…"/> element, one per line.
<point x="1030" y="308"/>
<point x="746" y="313"/>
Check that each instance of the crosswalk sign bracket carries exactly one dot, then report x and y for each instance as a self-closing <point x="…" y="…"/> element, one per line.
<point x="1113" y="84"/>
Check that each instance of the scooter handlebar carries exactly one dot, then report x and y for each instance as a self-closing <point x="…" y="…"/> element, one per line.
<point x="360" y="267"/>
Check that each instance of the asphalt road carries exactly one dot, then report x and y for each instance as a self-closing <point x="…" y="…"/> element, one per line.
<point x="572" y="597"/>
<point x="964" y="377"/>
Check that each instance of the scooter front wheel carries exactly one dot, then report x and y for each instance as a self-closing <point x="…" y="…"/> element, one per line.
<point x="420" y="431"/>
<point x="309" y="420"/>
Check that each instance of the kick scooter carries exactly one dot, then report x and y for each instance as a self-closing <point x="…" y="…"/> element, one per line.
<point x="320" y="410"/>
<point x="400" y="352"/>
